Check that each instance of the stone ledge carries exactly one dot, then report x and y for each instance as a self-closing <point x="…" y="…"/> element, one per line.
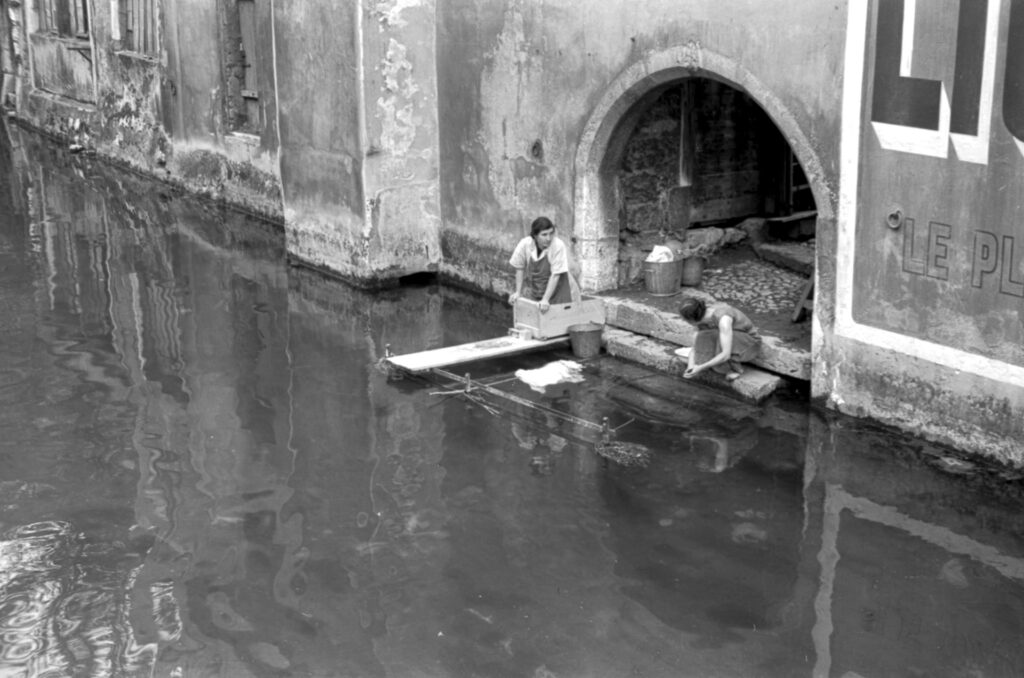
<point x="753" y="384"/>
<point x="632" y="316"/>
<point x="794" y="256"/>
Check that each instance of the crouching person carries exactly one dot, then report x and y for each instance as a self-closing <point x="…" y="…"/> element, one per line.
<point x="726" y="338"/>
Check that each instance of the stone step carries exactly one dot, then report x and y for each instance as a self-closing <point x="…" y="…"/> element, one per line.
<point x="630" y="315"/>
<point x="754" y="384"/>
<point x="796" y="257"/>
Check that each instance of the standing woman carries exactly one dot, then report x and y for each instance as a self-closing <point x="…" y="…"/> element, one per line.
<point x="725" y="338"/>
<point x="542" y="266"/>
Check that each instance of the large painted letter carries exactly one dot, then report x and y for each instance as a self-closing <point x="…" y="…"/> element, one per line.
<point x="898" y="100"/>
<point x="974" y="77"/>
<point x="986" y="256"/>
<point x="922" y="116"/>
<point x="970" y="52"/>
<point x="911" y="264"/>
<point x="1013" y="77"/>
<point x="1007" y="285"/>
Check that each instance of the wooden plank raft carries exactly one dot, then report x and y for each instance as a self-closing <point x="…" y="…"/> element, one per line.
<point x="464" y="353"/>
<point x="532" y="330"/>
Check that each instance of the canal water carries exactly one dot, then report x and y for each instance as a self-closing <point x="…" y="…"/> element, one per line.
<point x="203" y="472"/>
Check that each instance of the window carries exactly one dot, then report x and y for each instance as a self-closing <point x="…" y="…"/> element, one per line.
<point x="250" y="88"/>
<point x="137" y="20"/>
<point x="241" y="56"/>
<point x="67" y="18"/>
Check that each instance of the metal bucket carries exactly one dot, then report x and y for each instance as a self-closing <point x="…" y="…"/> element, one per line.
<point x="663" y="278"/>
<point x="692" y="271"/>
<point x="585" y="339"/>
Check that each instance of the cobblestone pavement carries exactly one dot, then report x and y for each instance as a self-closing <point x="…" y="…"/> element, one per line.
<point x="767" y="293"/>
<point x="755" y="286"/>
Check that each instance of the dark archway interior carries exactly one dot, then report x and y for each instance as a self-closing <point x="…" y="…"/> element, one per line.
<point x="698" y="163"/>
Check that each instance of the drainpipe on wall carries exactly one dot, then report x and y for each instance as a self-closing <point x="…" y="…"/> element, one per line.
<point x="277" y="103"/>
<point x="93" y="61"/>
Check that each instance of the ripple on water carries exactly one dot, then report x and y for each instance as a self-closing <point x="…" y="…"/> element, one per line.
<point x="24" y="609"/>
<point x="31" y="549"/>
<point x="13" y="381"/>
<point x="29" y="589"/>
<point x="17" y="648"/>
<point x="56" y="617"/>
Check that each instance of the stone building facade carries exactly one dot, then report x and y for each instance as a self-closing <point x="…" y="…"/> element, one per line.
<point x="393" y="137"/>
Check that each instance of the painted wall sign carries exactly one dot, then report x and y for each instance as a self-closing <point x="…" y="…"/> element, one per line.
<point x="942" y="137"/>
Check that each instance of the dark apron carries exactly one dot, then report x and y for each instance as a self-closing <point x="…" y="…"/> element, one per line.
<point x="536" y="281"/>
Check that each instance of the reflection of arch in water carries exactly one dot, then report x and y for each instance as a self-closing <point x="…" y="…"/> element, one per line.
<point x="596" y="221"/>
<point x="837" y="500"/>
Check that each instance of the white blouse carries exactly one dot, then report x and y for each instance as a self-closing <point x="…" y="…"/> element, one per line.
<point x="526" y="251"/>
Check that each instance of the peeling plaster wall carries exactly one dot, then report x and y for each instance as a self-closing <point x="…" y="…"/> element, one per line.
<point x="321" y="152"/>
<point x="359" y="137"/>
<point x="159" y="113"/>
<point x="520" y="75"/>
<point x="402" y="165"/>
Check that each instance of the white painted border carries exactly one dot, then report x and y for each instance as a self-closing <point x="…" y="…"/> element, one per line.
<point x="846" y="225"/>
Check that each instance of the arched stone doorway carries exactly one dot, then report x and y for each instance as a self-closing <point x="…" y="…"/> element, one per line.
<point x="600" y="210"/>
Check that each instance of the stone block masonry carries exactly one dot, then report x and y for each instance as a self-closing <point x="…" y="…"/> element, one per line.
<point x="754" y="384"/>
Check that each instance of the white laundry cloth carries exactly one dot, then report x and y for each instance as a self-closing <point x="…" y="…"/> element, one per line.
<point x="660" y="253"/>
<point x="557" y="372"/>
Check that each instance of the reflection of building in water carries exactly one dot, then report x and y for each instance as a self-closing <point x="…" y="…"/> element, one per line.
<point x="282" y="486"/>
<point x="79" y="299"/>
<point x="865" y="565"/>
<point x="943" y="550"/>
<point x="374" y="523"/>
<point x="186" y="344"/>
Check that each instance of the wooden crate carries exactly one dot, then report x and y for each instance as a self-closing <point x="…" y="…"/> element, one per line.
<point x="556" y="321"/>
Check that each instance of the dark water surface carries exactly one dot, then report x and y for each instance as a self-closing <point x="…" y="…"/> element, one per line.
<point x="202" y="473"/>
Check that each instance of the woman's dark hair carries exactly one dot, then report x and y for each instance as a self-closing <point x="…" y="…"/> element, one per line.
<point x="539" y="225"/>
<point x="692" y="309"/>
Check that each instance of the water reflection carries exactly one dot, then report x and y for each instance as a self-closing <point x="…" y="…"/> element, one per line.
<point x="204" y="474"/>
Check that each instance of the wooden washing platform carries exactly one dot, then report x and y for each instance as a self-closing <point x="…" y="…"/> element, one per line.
<point x="532" y="330"/>
<point x="498" y="347"/>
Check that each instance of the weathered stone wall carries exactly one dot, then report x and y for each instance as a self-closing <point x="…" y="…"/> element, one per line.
<point x="532" y="98"/>
<point x="321" y="154"/>
<point x="359" y="154"/>
<point x="649" y="169"/>
<point x="722" y="179"/>
<point x="929" y="297"/>
<point x="425" y="135"/>
<point x="727" y="168"/>
<point x="403" y="223"/>
<point x="160" y="112"/>
<point x="650" y="165"/>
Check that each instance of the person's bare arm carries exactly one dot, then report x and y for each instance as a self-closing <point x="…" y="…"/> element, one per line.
<point x="545" y="304"/>
<point x="518" y="291"/>
<point x="724" y="340"/>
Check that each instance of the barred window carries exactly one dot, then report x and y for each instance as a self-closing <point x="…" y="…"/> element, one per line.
<point x="67" y="18"/>
<point x="138" y="24"/>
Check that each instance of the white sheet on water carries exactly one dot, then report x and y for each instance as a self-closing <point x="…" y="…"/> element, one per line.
<point x="557" y="372"/>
